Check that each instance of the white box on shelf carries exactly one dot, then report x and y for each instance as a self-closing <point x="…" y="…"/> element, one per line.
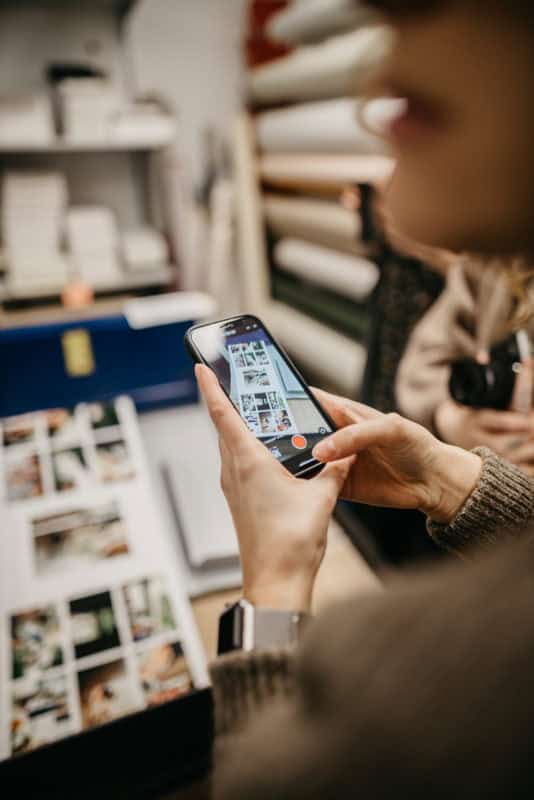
<point x="142" y="122"/>
<point x="144" y="248"/>
<point x="87" y="106"/>
<point x="93" y="239"/>
<point x="26" y="119"/>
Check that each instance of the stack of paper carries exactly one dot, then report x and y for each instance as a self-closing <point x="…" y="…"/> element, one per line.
<point x="33" y="210"/>
<point x="142" y="122"/>
<point x="26" y="119"/>
<point x="93" y="240"/>
<point x="87" y="106"/>
<point x="144" y="248"/>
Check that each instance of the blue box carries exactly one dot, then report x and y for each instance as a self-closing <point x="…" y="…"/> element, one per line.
<point x="64" y="363"/>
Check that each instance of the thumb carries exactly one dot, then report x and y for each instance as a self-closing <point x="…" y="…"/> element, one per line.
<point x="333" y="477"/>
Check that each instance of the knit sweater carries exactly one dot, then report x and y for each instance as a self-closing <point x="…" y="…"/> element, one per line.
<point x="421" y="691"/>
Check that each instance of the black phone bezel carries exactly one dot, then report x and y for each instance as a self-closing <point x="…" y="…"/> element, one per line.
<point x="316" y="466"/>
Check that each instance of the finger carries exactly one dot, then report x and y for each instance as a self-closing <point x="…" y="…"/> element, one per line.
<point x="345" y="405"/>
<point x="504" y="421"/>
<point x="333" y="477"/>
<point x="354" y="438"/>
<point x="227" y="421"/>
<point x="522" y="455"/>
<point x="463" y="344"/>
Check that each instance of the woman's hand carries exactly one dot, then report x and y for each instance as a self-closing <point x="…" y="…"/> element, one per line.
<point x="503" y="431"/>
<point x="281" y="521"/>
<point x="399" y="464"/>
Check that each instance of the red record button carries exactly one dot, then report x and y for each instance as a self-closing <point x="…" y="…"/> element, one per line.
<point x="299" y="442"/>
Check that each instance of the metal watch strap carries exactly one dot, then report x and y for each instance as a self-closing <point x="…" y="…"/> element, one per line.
<point x="245" y="627"/>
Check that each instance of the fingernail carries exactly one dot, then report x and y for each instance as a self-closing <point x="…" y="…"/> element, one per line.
<point x="324" y="450"/>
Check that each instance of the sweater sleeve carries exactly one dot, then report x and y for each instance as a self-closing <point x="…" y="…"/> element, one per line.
<point x="500" y="507"/>
<point x="421" y="691"/>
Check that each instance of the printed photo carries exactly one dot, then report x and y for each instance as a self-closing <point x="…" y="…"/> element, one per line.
<point x="106" y="693"/>
<point x="282" y="421"/>
<point x="253" y="423"/>
<point x="262" y="402"/>
<point x="78" y="539"/>
<point x="103" y="415"/>
<point x="40" y="713"/>
<point x="267" y="423"/>
<point x="164" y="674"/>
<point x="35" y="642"/>
<point x="275" y="400"/>
<point x="19" y="429"/>
<point x="23" y="478"/>
<point x="247" y="404"/>
<point x="70" y="470"/>
<point x="263" y="359"/>
<point x="61" y="424"/>
<point x="255" y="377"/>
<point x="93" y="624"/>
<point x="113" y="462"/>
<point x="149" y="607"/>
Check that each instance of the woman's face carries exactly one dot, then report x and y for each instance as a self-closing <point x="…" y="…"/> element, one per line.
<point x="465" y="142"/>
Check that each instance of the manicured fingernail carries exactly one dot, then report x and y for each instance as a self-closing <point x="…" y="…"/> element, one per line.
<point x="324" y="450"/>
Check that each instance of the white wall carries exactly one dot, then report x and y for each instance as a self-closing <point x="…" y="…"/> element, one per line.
<point x="190" y="51"/>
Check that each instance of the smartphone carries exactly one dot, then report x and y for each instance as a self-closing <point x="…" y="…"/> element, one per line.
<point x="265" y="388"/>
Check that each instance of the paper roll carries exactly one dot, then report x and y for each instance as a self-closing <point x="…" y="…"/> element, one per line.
<point x="318" y="348"/>
<point x="347" y="275"/>
<point x="329" y="126"/>
<point x="337" y="67"/>
<point x="325" y="223"/>
<point x="323" y="173"/>
<point x="310" y="20"/>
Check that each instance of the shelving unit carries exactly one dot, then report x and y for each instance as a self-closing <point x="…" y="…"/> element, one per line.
<point x="124" y="174"/>
<point x="61" y="146"/>
<point x="316" y="176"/>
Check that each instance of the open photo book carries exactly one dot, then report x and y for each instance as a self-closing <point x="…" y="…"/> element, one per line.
<point x="95" y="622"/>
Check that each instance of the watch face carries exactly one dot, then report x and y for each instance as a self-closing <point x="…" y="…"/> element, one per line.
<point x="230" y="630"/>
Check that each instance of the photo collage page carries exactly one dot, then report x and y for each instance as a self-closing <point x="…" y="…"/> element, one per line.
<point x="84" y="661"/>
<point x="259" y="391"/>
<point x="59" y="450"/>
<point x="95" y="624"/>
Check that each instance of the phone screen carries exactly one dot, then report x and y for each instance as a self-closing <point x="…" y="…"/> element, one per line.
<point x="269" y="395"/>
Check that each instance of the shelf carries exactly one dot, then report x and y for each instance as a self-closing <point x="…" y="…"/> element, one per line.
<point x="338" y="360"/>
<point x="58" y="146"/>
<point x="120" y="8"/>
<point x="129" y="282"/>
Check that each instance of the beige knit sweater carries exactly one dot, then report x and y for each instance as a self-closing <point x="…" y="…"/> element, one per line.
<point x="425" y="690"/>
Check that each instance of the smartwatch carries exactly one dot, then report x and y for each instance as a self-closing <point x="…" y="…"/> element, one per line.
<point x="242" y="626"/>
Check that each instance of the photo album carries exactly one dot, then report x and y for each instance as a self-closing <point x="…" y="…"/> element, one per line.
<point x="95" y="622"/>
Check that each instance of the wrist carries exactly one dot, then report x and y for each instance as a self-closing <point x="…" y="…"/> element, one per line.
<point x="293" y="594"/>
<point x="457" y="476"/>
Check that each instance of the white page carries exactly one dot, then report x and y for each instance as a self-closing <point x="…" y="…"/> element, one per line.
<point x="115" y="620"/>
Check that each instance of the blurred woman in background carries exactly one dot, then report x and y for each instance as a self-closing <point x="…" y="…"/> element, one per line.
<point x="424" y="690"/>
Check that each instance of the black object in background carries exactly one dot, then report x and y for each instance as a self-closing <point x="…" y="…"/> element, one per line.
<point x="486" y="385"/>
<point x="146" y="755"/>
